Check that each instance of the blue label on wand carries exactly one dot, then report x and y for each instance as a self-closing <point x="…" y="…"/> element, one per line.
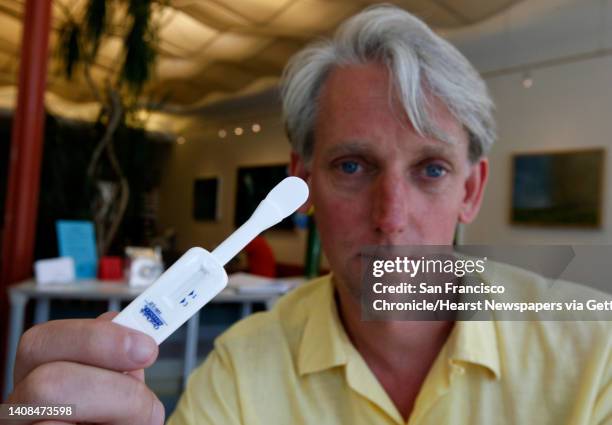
<point x="152" y="314"/>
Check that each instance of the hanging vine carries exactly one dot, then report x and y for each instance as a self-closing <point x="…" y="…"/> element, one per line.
<point x="78" y="48"/>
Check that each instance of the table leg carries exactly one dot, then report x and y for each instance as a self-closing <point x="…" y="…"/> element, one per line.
<point x="18" y="302"/>
<point x="247" y="308"/>
<point x="41" y="313"/>
<point x="114" y="304"/>
<point x="191" y="346"/>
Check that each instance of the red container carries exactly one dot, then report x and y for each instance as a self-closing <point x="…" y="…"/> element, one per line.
<point x="110" y="268"/>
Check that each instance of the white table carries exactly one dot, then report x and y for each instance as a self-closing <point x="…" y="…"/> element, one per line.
<point x="113" y="293"/>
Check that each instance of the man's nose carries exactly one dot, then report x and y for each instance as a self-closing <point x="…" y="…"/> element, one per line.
<point x="390" y="213"/>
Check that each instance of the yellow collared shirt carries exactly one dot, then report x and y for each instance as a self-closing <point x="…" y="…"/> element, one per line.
<point x="296" y="365"/>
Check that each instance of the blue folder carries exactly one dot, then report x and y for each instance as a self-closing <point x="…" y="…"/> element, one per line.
<point x="77" y="239"/>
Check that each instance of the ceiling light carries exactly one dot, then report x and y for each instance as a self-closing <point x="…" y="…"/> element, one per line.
<point x="238" y="131"/>
<point x="142" y="115"/>
<point x="527" y="80"/>
<point x="180" y="140"/>
<point x="222" y="134"/>
<point x="256" y="128"/>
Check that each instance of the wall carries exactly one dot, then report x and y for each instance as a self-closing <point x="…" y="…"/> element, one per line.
<point x="204" y="154"/>
<point x="563" y="45"/>
<point x="566" y="108"/>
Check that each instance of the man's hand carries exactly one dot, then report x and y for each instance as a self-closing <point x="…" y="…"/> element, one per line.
<point x="94" y="364"/>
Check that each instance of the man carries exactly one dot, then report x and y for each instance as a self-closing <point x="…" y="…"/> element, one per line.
<point x="389" y="126"/>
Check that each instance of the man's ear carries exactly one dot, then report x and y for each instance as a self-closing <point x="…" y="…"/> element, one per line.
<point x="474" y="190"/>
<point x="299" y="169"/>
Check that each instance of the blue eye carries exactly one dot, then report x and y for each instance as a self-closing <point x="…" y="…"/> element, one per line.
<point x="349" y="167"/>
<point x="434" y="171"/>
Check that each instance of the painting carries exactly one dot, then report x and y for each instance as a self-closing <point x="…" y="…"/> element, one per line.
<point x="206" y="199"/>
<point x="253" y="185"/>
<point x="558" y="188"/>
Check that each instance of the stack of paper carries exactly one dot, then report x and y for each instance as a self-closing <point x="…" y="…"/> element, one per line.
<point x="245" y="283"/>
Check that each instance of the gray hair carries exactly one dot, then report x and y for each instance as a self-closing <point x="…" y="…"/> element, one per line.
<point x="418" y="60"/>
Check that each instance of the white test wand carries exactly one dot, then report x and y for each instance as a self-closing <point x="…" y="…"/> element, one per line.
<point x="195" y="278"/>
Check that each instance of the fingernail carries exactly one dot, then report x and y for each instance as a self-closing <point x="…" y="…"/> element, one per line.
<point x="141" y="348"/>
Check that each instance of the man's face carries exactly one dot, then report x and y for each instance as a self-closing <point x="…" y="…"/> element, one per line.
<point x="375" y="181"/>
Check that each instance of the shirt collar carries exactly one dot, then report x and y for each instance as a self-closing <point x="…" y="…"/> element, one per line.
<point x="475" y="342"/>
<point x="322" y="344"/>
<point x="324" y="341"/>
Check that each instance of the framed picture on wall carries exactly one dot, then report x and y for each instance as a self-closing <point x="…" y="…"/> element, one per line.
<point x="253" y="184"/>
<point x="558" y="188"/>
<point x="206" y="199"/>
